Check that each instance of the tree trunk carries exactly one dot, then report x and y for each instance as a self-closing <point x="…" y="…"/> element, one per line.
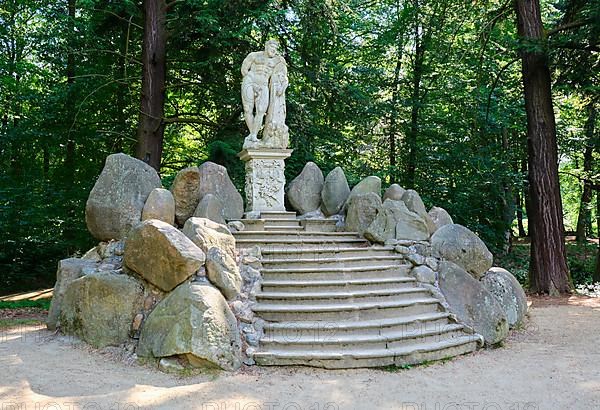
<point x="583" y="219"/>
<point x="597" y="271"/>
<point x="412" y="135"/>
<point x="394" y="114"/>
<point x="151" y="125"/>
<point x="548" y="271"/>
<point x="508" y="202"/>
<point x="70" y="154"/>
<point x="520" y="196"/>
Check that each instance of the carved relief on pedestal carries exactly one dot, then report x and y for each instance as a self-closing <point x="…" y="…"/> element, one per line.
<point x="265" y="180"/>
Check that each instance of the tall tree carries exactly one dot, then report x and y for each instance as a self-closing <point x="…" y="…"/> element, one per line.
<point x="151" y="125"/>
<point x="583" y="218"/>
<point x="548" y="271"/>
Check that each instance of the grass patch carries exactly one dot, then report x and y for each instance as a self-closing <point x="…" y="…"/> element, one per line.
<point x="18" y="304"/>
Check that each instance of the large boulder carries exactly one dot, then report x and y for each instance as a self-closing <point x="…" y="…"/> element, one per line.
<point x="395" y="221"/>
<point x="415" y="204"/>
<point x="440" y="217"/>
<point x="210" y="207"/>
<point x="509" y="294"/>
<point x="223" y="272"/>
<point x="472" y="303"/>
<point x="304" y="192"/>
<point x="206" y="234"/>
<point x="458" y="244"/>
<point x="394" y="192"/>
<point x="160" y="205"/>
<point x="362" y="211"/>
<point x="162" y="254"/>
<point x="214" y="179"/>
<point x="366" y="185"/>
<point x="117" y="199"/>
<point x="335" y="192"/>
<point x="195" y="321"/>
<point x="100" y="308"/>
<point x="68" y="270"/>
<point x="186" y="191"/>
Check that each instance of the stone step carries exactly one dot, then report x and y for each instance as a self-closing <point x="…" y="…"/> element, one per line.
<point x="345" y="310"/>
<point x="336" y="284"/>
<point x="285" y="235"/>
<point x="353" y="358"/>
<point x="319" y="225"/>
<point x="335" y="297"/>
<point x="381" y="272"/>
<point x="329" y="329"/>
<point x="325" y="251"/>
<point x="278" y="215"/>
<point x="283" y="228"/>
<point x="385" y="340"/>
<point x="319" y="262"/>
<point x="300" y="243"/>
<point x="269" y="223"/>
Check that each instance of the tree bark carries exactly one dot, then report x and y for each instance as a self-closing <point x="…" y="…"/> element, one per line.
<point x="548" y="271"/>
<point x="597" y="271"/>
<point x="412" y="135"/>
<point x="583" y="218"/>
<point x="151" y="126"/>
<point x="70" y="154"/>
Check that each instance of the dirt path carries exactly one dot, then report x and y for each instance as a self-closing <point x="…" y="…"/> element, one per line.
<point x="554" y="363"/>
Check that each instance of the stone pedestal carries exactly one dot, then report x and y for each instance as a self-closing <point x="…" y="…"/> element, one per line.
<point x="265" y="179"/>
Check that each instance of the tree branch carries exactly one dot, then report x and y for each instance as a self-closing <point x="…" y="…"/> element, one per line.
<point x="568" y="26"/>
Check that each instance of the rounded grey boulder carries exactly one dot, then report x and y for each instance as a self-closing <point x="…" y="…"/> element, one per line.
<point x="223" y="272"/>
<point x="304" y="192"/>
<point x="160" y="205"/>
<point x="162" y="254"/>
<point x="366" y="185"/>
<point x="335" y="192"/>
<point x="509" y="294"/>
<point x="396" y="221"/>
<point x="117" y="199"/>
<point x="214" y="179"/>
<point x="472" y="303"/>
<point x="210" y="207"/>
<point x="440" y="217"/>
<point x="100" y="308"/>
<point x="193" y="321"/>
<point x="394" y="192"/>
<point x="186" y="191"/>
<point x="458" y="244"/>
<point x="362" y="211"/>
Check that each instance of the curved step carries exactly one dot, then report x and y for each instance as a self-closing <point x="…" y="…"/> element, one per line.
<point x="345" y="311"/>
<point x="344" y="358"/>
<point x="328" y="251"/>
<point x="333" y="297"/>
<point x="332" y="329"/>
<point x="301" y="243"/>
<point x="386" y="340"/>
<point x="381" y="272"/>
<point x="317" y="261"/>
<point x="336" y="284"/>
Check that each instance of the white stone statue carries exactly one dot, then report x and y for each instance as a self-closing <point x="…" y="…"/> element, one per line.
<point x="263" y="93"/>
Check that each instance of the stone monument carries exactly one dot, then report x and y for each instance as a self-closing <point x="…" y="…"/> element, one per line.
<point x="264" y="83"/>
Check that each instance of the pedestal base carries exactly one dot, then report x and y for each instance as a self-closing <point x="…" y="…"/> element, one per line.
<point x="265" y="178"/>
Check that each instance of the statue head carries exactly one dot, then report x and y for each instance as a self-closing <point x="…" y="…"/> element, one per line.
<point x="272" y="48"/>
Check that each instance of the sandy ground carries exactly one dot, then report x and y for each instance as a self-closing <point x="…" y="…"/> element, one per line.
<point x="553" y="363"/>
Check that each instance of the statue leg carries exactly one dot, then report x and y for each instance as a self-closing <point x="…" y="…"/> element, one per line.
<point x="262" y="104"/>
<point x="248" y="104"/>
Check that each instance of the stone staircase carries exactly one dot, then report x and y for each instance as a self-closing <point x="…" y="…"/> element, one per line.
<point x="330" y="299"/>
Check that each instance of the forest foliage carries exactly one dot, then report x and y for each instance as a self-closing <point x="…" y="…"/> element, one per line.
<point x="424" y="94"/>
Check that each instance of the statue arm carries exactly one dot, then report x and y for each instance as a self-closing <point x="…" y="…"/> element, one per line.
<point x="247" y="64"/>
